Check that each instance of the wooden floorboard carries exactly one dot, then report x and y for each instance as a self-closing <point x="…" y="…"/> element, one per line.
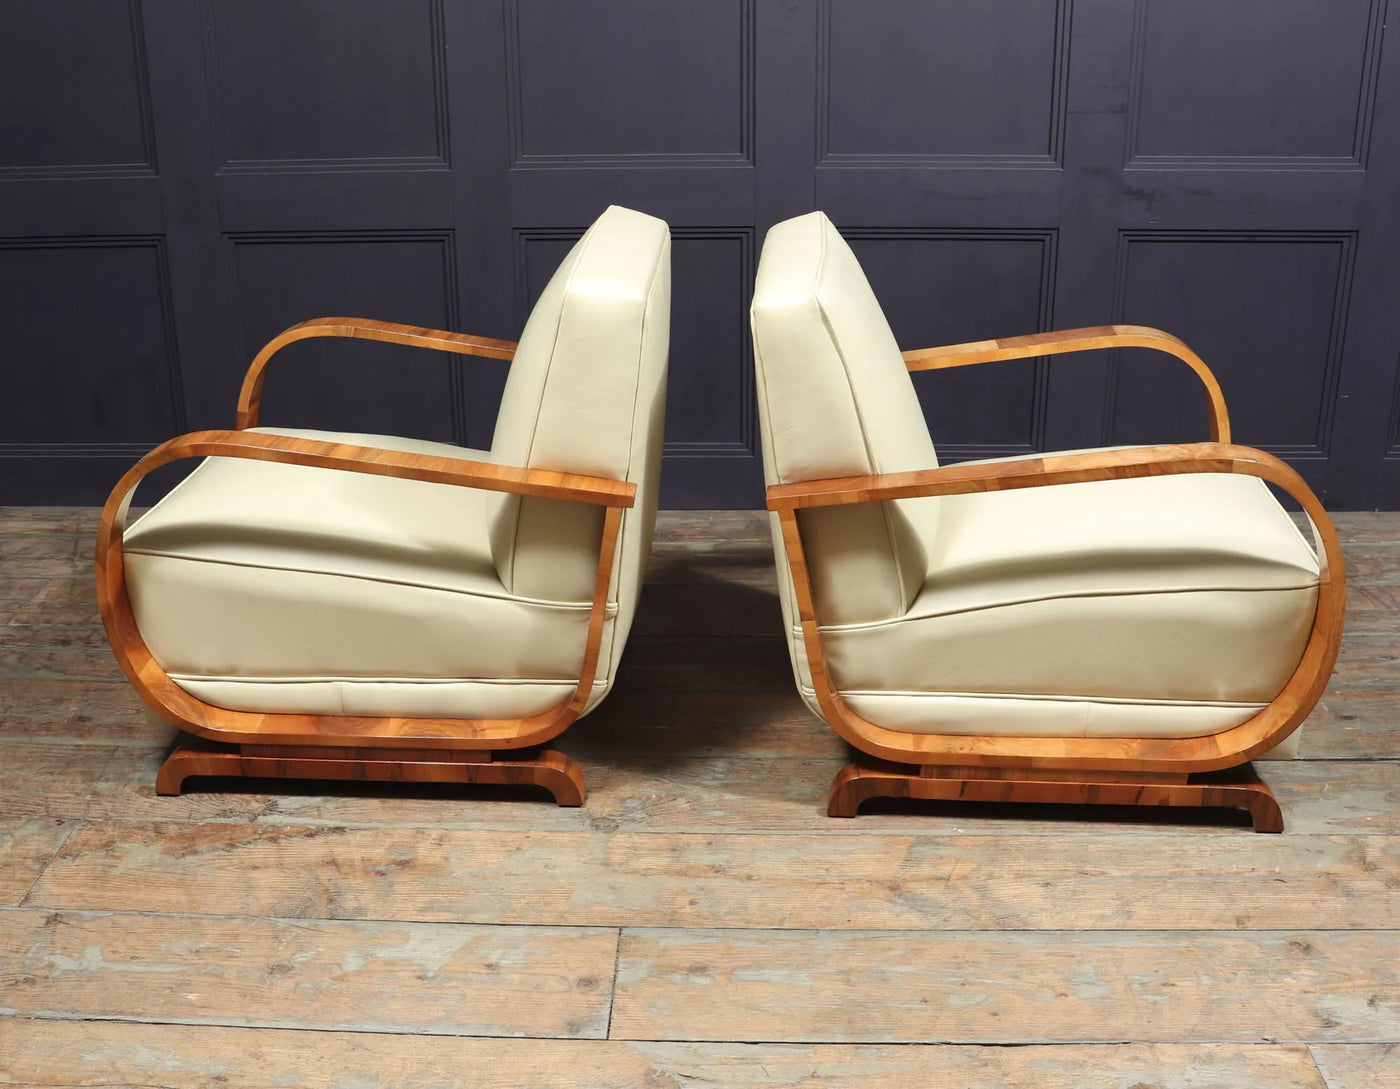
<point x="27" y="846"/>
<point x="66" y="1053"/>
<point x="700" y="921"/>
<point x="1358" y="1066"/>
<point x="1167" y="880"/>
<point x="653" y="792"/>
<point x="373" y="977"/>
<point x="1008" y="987"/>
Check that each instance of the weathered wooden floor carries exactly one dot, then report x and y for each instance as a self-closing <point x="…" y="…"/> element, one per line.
<point x="699" y="922"/>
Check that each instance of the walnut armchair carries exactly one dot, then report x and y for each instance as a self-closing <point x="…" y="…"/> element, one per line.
<point x="314" y="604"/>
<point x="1118" y="626"/>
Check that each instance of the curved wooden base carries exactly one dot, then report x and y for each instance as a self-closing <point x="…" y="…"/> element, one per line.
<point x="1237" y="787"/>
<point x="548" y="768"/>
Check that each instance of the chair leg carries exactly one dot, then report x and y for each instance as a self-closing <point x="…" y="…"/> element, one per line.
<point x="1238" y="787"/>
<point x="554" y="771"/>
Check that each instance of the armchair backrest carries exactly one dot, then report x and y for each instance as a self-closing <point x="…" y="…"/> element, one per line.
<point x="835" y="399"/>
<point x="586" y="393"/>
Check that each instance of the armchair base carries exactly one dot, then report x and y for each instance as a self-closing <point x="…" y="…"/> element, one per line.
<point x="547" y="768"/>
<point x="1237" y="787"/>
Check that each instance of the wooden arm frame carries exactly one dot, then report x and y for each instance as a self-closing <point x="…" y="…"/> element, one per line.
<point x="250" y="396"/>
<point x="246" y="727"/>
<point x="1169" y="755"/>
<point x="348" y="738"/>
<point x="1079" y="340"/>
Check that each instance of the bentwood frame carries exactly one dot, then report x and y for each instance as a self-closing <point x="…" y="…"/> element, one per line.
<point x="1141" y="771"/>
<point x="234" y="743"/>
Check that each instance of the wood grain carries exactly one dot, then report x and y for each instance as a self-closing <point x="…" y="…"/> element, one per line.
<point x="26" y="847"/>
<point x="76" y="1053"/>
<point x="708" y="778"/>
<point x="27" y="630"/>
<point x="975" y="987"/>
<point x="377" y="977"/>
<point x="705" y="528"/>
<point x="1196" y="754"/>
<point x="37" y="589"/>
<point x="105" y="713"/>
<point x="63" y="520"/>
<point x="1161" y="881"/>
<point x="1087" y="339"/>
<point x="551" y="770"/>
<point x="250" y="396"/>
<point x="657" y="792"/>
<point x="43" y="556"/>
<point x="205" y="720"/>
<point x="1235" y="788"/>
<point x="753" y="716"/>
<point x="1353" y="725"/>
<point x="1358" y="1066"/>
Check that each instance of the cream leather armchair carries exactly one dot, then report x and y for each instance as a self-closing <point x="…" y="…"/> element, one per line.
<point x="329" y="605"/>
<point x="1127" y="625"/>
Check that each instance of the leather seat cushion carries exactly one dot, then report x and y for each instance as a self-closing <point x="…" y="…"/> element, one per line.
<point x="1163" y="606"/>
<point x="270" y="587"/>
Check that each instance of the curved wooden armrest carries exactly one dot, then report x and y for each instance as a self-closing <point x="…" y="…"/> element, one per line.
<point x="1078" y="340"/>
<point x="250" y="396"/>
<point x="1137" y="461"/>
<point x="155" y="685"/>
<point x="1134" y="461"/>
<point x="291" y="450"/>
<point x="1225" y="749"/>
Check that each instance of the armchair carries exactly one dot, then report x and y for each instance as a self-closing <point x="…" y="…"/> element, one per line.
<point x="1119" y="626"/>
<point x="313" y="604"/>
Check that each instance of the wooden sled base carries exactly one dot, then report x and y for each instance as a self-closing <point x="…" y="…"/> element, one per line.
<point x="1237" y="787"/>
<point x="547" y="768"/>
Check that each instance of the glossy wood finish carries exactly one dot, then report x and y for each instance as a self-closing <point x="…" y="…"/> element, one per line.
<point x="1237" y="787"/>
<point x="167" y="916"/>
<point x="372" y="461"/>
<point x="217" y="723"/>
<point x="242" y="727"/>
<point x="250" y="396"/>
<point x="1173" y="755"/>
<point x="1041" y="471"/>
<point x="552" y="770"/>
<point x="1079" y="340"/>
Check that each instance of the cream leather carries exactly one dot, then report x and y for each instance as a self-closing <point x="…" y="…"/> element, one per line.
<point x="1158" y="607"/>
<point x="268" y="587"/>
<point x="835" y="399"/>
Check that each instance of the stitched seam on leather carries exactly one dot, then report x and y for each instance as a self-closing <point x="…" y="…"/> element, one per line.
<point x="193" y="473"/>
<point x="860" y="417"/>
<point x="581" y="606"/>
<point x="910" y="618"/>
<point x="586" y="241"/>
<point x="1049" y="697"/>
<point x="761" y="382"/>
<point x="1309" y="545"/>
<point x="314" y="678"/>
<point x="787" y="591"/>
<point x="615" y="583"/>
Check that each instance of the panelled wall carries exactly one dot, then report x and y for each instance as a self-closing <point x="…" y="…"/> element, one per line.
<point x="180" y="179"/>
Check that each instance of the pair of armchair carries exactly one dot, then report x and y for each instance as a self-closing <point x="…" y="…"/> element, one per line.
<point x="1119" y="626"/>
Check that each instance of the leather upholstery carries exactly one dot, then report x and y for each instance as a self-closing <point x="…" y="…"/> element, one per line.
<point x="269" y="587"/>
<point x="1156" y="607"/>
<point x="835" y="399"/>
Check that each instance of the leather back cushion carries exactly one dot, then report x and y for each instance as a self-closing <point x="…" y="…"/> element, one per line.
<point x="835" y="399"/>
<point x="586" y="393"/>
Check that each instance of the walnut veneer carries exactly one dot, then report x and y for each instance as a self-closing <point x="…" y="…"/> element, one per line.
<point x="1093" y="760"/>
<point x="249" y="737"/>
